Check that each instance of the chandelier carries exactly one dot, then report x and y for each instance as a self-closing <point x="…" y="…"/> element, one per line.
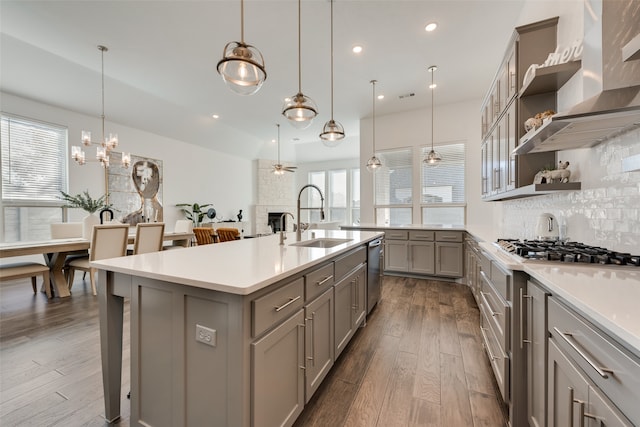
<point x="106" y="144"/>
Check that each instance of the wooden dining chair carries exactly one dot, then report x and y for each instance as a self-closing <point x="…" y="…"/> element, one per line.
<point x="21" y="270"/>
<point x="149" y="237"/>
<point x="203" y="235"/>
<point x="107" y="241"/>
<point x="228" y="234"/>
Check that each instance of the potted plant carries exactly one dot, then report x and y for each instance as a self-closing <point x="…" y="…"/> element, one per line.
<point x="194" y="212"/>
<point x="87" y="203"/>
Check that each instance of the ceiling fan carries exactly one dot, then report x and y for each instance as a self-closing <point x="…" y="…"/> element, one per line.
<point x="279" y="168"/>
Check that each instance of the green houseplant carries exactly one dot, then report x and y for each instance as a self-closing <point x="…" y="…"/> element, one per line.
<point x="84" y="201"/>
<point x="195" y="212"/>
<point x="87" y="203"/>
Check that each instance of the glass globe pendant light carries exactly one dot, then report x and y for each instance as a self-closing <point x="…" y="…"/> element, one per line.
<point x="332" y="131"/>
<point x="299" y="109"/>
<point x="433" y="158"/>
<point x="242" y="65"/>
<point x="374" y="163"/>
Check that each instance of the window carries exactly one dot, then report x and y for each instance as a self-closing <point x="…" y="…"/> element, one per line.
<point x="341" y="189"/>
<point x="34" y="170"/>
<point x="442" y="187"/>
<point x="393" y="187"/>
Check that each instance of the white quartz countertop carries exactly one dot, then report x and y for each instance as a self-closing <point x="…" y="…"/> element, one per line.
<point x="606" y="295"/>
<point x="238" y="267"/>
<point x="372" y="226"/>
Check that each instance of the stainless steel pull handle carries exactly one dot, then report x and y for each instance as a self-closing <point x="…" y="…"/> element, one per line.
<point x="354" y="292"/>
<point x="325" y="280"/>
<point x="512" y="76"/>
<point x="568" y="338"/>
<point x="301" y="337"/>
<point x="313" y="344"/>
<point x="522" y="297"/>
<point x="486" y="345"/>
<point x="486" y="302"/>
<point x="285" y="305"/>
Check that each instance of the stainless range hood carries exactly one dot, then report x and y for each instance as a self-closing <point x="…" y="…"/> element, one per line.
<point x="616" y="108"/>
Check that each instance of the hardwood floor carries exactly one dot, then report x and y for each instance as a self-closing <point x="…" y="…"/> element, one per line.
<point x="418" y="362"/>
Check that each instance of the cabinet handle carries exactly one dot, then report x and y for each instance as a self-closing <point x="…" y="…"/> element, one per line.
<point x="565" y="336"/>
<point x="486" y="302"/>
<point x="581" y="410"/>
<point x="325" y="280"/>
<point x="313" y="344"/>
<point x="283" y="306"/>
<point x="486" y="345"/>
<point x="512" y="78"/>
<point x="301" y="337"/>
<point x="522" y="297"/>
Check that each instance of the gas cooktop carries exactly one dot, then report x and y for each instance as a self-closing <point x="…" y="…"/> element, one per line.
<point x="561" y="251"/>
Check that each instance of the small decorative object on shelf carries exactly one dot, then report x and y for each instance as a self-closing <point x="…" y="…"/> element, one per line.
<point x="562" y="175"/>
<point x="538" y="120"/>
<point x="194" y="212"/>
<point x="239" y="216"/>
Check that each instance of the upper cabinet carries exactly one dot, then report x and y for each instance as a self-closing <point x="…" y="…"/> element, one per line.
<point x="507" y="106"/>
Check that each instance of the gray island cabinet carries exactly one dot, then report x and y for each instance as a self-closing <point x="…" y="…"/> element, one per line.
<point x="234" y="334"/>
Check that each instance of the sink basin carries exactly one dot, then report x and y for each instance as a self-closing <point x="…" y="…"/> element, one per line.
<point x="323" y="242"/>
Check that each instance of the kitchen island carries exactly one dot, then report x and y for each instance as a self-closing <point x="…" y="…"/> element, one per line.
<point x="237" y="334"/>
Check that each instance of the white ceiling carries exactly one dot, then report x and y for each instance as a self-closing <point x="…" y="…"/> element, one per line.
<point x="161" y="66"/>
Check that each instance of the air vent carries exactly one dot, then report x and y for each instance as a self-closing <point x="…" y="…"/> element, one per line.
<point x="407" y="95"/>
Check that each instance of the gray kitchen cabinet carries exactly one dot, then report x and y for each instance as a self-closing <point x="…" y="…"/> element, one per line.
<point x="278" y="374"/>
<point x="395" y="255"/>
<point x="449" y="259"/>
<point x="350" y="307"/>
<point x="319" y="341"/>
<point x="573" y="400"/>
<point x="611" y="374"/>
<point x="533" y="308"/>
<point x="421" y="257"/>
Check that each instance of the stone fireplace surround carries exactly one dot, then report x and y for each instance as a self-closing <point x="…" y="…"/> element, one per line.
<point x="275" y="194"/>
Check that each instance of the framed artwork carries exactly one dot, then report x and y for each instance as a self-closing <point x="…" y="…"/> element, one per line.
<point x="135" y="192"/>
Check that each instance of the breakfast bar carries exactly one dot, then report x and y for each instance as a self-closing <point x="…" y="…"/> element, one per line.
<point x="219" y="333"/>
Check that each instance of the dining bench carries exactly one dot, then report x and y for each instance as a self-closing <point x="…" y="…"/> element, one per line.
<point x="21" y="270"/>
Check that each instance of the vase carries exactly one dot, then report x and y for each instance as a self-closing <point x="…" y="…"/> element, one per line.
<point x="87" y="225"/>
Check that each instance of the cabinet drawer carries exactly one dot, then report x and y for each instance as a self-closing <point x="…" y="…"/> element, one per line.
<point x="448" y="236"/>
<point x="318" y="281"/>
<point x="276" y="306"/>
<point x="349" y="261"/>
<point x="485" y="263"/>
<point x="497" y="357"/>
<point x="613" y="370"/>
<point x="496" y="309"/>
<point x="422" y="235"/>
<point x="396" y="235"/>
<point x="500" y="281"/>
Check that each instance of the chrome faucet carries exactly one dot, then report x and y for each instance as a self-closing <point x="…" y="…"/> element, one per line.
<point x="298" y="225"/>
<point x="283" y="237"/>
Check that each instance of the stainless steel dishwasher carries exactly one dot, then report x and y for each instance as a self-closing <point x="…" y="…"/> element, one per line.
<point x="374" y="265"/>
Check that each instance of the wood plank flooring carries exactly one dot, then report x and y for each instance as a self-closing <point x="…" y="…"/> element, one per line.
<point x="417" y="362"/>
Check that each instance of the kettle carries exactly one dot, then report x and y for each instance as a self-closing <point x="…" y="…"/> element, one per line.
<point x="547" y="227"/>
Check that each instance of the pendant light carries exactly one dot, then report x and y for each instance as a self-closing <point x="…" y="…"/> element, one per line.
<point x="332" y="132"/>
<point x="299" y="109"/>
<point x="374" y="163"/>
<point x="242" y="65"/>
<point x="433" y="158"/>
<point x="279" y="168"/>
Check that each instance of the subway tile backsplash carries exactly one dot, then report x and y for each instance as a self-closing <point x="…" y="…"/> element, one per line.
<point x="604" y="213"/>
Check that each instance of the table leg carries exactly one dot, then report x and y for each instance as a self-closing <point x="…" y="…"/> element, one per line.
<point x="111" y="323"/>
<point x="58" y="281"/>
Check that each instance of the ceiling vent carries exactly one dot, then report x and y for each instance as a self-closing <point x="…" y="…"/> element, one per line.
<point x="407" y="95"/>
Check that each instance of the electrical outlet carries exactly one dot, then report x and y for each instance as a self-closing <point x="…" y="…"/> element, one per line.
<point x="206" y="335"/>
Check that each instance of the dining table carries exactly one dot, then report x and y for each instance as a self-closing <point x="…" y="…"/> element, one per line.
<point x="56" y="251"/>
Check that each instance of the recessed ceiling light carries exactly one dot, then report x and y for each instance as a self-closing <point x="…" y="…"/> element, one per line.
<point x="433" y="86"/>
<point x="431" y="26"/>
<point x="380" y="96"/>
<point x="357" y="49"/>
<point x="273" y="140"/>
<point x="215" y="116"/>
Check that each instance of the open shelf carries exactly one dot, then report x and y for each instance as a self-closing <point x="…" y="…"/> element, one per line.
<point x="550" y="79"/>
<point x="535" y="190"/>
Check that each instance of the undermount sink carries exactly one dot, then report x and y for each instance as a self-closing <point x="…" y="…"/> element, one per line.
<point x="323" y="242"/>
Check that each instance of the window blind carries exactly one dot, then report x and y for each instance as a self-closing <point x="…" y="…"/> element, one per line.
<point x="393" y="181"/>
<point x="444" y="183"/>
<point x="34" y="166"/>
